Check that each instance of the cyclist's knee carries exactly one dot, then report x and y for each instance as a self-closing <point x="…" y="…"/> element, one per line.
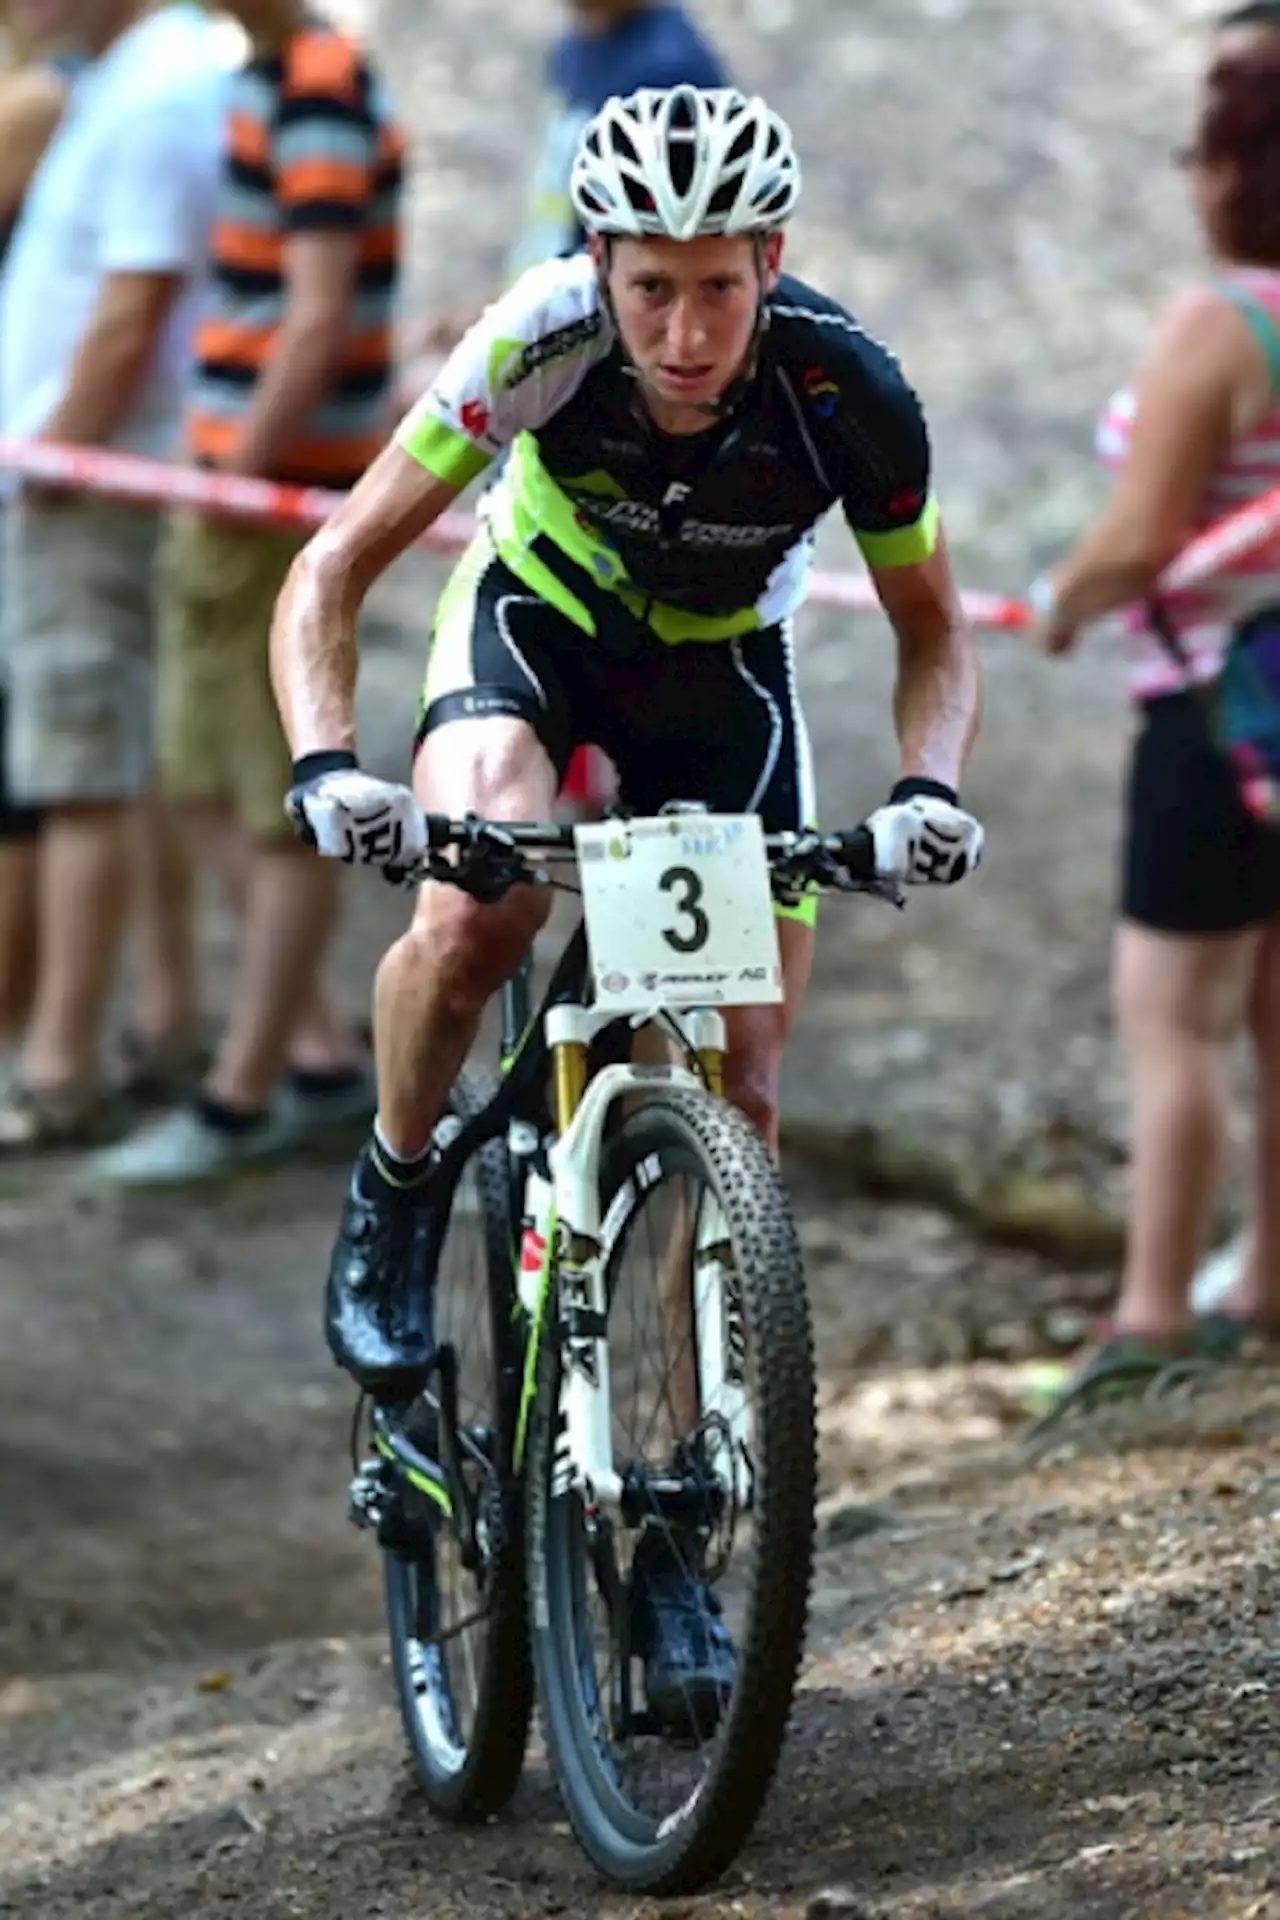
<point x="471" y="949"/>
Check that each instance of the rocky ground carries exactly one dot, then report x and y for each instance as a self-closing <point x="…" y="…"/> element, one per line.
<point x="1042" y="1686"/>
<point x="1037" y="1688"/>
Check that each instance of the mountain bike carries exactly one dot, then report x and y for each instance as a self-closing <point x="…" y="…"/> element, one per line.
<point x="524" y="1497"/>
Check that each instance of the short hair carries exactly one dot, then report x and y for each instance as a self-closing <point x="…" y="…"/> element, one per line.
<point x="1239" y="127"/>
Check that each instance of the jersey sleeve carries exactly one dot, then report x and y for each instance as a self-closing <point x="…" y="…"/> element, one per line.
<point x="877" y="427"/>
<point x="517" y="366"/>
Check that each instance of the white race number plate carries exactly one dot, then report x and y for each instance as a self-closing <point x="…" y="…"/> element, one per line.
<point x="679" y="912"/>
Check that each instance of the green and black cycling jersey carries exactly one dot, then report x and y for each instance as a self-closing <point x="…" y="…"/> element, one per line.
<point x="704" y="537"/>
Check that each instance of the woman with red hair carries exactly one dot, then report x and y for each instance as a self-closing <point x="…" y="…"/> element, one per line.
<point x="1197" y="952"/>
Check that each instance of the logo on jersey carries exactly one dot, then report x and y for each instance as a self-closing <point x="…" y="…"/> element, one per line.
<point x="905" y="505"/>
<point x="475" y="419"/>
<point x="512" y="362"/>
<point x="676" y="493"/>
<point x="821" y="391"/>
<point x="637" y="517"/>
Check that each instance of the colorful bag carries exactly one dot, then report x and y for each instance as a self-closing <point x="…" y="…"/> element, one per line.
<point x="1242" y="703"/>
<point x="1248" y="712"/>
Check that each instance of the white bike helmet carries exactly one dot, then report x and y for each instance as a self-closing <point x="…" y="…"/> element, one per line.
<point x="685" y="161"/>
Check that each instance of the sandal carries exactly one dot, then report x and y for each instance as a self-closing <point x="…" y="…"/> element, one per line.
<point x="1226" y="1337"/>
<point x="46" y="1119"/>
<point x="161" y="1072"/>
<point x="1124" y="1367"/>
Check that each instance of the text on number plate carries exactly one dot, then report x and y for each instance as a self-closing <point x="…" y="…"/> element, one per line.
<point x="679" y="911"/>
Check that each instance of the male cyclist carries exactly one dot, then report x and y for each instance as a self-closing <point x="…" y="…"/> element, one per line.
<point x="680" y="416"/>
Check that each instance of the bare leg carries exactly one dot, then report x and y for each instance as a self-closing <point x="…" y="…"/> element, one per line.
<point x="83" y="900"/>
<point x="1179" y="1002"/>
<point x="164" y="902"/>
<point x="435" y="982"/>
<point x="320" y="1039"/>
<point x="291" y="908"/>
<point x="19" y="909"/>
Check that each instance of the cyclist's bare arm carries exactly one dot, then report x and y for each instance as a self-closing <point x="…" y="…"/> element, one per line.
<point x="313" y="634"/>
<point x="937" y="700"/>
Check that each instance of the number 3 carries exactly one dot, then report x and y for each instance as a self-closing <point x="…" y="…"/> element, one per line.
<point x="695" y="940"/>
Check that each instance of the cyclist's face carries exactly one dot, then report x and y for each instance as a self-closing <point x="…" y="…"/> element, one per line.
<point x="687" y="309"/>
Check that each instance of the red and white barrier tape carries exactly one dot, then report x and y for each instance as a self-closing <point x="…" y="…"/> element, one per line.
<point x="132" y="476"/>
<point x="127" y="476"/>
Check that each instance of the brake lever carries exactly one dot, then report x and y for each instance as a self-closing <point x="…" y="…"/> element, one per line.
<point x="823" y="869"/>
<point x="487" y="833"/>
<point x="890" y="891"/>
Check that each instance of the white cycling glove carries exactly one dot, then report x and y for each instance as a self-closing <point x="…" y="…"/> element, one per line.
<point x="353" y="816"/>
<point x="922" y="838"/>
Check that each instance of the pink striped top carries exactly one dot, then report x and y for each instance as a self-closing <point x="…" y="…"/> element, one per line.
<point x="1204" y="616"/>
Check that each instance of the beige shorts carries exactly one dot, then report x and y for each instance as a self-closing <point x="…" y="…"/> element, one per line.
<point x="79" y="631"/>
<point x="219" y="732"/>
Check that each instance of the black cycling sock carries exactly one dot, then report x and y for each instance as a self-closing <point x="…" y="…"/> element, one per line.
<point x="318" y="1081"/>
<point x="386" y="1175"/>
<point x="225" y="1119"/>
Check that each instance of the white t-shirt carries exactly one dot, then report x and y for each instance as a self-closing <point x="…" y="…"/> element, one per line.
<point x="127" y="185"/>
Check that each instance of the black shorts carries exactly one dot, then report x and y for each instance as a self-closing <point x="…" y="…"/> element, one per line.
<point x="1195" y="860"/>
<point x="715" y="721"/>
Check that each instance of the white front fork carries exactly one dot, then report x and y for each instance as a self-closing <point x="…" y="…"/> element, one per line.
<point x="721" y="1338"/>
<point x="585" y="1452"/>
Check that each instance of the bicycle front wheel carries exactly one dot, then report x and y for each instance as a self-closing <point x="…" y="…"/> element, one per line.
<point x="456" y="1611"/>
<point x="664" y="1767"/>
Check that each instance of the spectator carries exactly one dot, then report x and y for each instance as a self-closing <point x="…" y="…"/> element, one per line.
<point x="291" y="384"/>
<point x="99" y="299"/>
<point x="36" y="66"/>
<point x="1243" y="29"/>
<point x="1248" y="28"/>
<point x="36" y="69"/>
<point x="610" y="46"/>
<point x="1198" y="949"/>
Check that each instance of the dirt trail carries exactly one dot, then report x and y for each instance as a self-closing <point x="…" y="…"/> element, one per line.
<point x="1032" y="1692"/>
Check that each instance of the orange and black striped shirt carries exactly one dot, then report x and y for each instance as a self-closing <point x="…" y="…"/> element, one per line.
<point x="311" y="147"/>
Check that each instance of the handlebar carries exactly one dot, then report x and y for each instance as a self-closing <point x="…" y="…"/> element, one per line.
<point x="494" y="856"/>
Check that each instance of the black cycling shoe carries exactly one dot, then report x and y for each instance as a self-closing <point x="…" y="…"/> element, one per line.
<point x="689" y="1660"/>
<point x="378" y="1299"/>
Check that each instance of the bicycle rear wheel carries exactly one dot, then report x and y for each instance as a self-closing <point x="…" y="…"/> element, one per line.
<point x="660" y="1808"/>
<point x="459" y="1633"/>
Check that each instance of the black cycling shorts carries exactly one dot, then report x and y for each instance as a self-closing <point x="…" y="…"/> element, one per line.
<point x="1195" y="861"/>
<point x="715" y="721"/>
